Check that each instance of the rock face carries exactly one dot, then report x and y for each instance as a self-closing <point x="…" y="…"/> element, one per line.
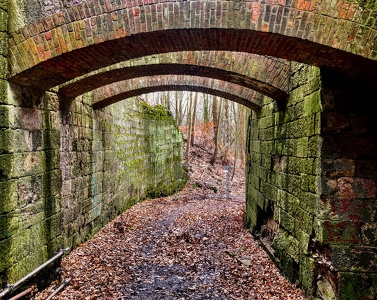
<point x="67" y="173"/>
<point x="311" y="171"/>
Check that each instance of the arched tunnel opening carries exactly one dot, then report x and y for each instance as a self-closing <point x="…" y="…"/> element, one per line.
<point x="305" y="68"/>
<point x="192" y="244"/>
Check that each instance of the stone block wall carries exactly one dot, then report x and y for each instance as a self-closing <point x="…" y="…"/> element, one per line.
<point x="283" y="167"/>
<point x="65" y="174"/>
<point x="311" y="192"/>
<point x="348" y="205"/>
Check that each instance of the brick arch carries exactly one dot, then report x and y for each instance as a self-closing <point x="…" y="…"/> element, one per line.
<point x="119" y="91"/>
<point x="268" y="76"/>
<point x="94" y="34"/>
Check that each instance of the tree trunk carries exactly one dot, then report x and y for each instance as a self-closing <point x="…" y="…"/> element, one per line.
<point x="189" y="125"/>
<point x="216" y="113"/>
<point x="237" y="129"/>
<point x="205" y="110"/>
<point x="226" y="137"/>
<point x="243" y="124"/>
<point x="193" y="120"/>
<point x="176" y="108"/>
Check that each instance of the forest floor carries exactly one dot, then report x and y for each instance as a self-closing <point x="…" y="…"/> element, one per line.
<point x="193" y="245"/>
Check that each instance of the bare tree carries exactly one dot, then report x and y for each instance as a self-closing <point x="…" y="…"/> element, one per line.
<point x="216" y="112"/>
<point x="189" y="126"/>
<point x="205" y="110"/>
<point x="192" y="132"/>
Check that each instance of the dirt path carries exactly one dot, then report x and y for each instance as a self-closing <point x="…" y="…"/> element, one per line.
<point x="191" y="246"/>
<point x="175" y="249"/>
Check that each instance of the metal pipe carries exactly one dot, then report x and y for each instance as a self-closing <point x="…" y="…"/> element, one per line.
<point x="62" y="286"/>
<point x="24" y="293"/>
<point x="11" y="287"/>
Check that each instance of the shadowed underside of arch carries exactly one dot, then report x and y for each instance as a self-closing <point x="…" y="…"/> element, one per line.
<point x="268" y="76"/>
<point x="90" y="36"/>
<point x="119" y="91"/>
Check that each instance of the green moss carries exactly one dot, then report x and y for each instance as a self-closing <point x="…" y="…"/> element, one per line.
<point x="157" y="112"/>
<point x="8" y="196"/>
<point x="5" y="260"/>
<point x="357" y="286"/>
<point x="6" y="116"/>
<point x="371" y="4"/>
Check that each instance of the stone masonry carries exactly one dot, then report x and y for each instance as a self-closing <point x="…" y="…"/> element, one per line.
<point x="65" y="174"/>
<point x="311" y="184"/>
<point x="94" y="34"/>
<point x="115" y="92"/>
<point x="266" y="75"/>
<point x="311" y="192"/>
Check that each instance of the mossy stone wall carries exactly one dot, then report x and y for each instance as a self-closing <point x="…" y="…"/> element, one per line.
<point x="65" y="174"/>
<point x="311" y="188"/>
<point x="283" y="168"/>
<point x="348" y="207"/>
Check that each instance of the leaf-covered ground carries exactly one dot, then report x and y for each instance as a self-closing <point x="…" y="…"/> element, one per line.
<point x="186" y="247"/>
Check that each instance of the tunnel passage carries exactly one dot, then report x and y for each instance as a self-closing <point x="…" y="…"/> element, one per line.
<point x="266" y="75"/>
<point x="80" y="39"/>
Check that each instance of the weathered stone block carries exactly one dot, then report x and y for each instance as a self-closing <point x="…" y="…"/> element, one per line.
<point x="27" y="217"/>
<point x="3" y="16"/>
<point x="3" y="44"/>
<point x="6" y="116"/>
<point x="302" y="147"/>
<point x="356" y="188"/>
<point x="290" y="204"/>
<point x="309" y="202"/>
<point x="303" y="238"/>
<point x="8" y="196"/>
<point x="340" y="232"/>
<point x="52" y="139"/>
<point x="54" y="226"/>
<point x="369" y="234"/>
<point x="3" y="61"/>
<point x="4" y="227"/>
<point x="294" y="185"/>
<point x="357" y="286"/>
<point x="312" y="125"/>
<point x="355" y="259"/>
<point x="312" y="103"/>
<point x="31" y="262"/>
<point x="52" y="183"/>
<point x="289" y="244"/>
<point x="51" y="120"/>
<point x="314" y="146"/>
<point x="287" y="221"/>
<point x="4" y="4"/>
<point x="307" y="273"/>
<point x="294" y="165"/>
<point x="7" y="168"/>
<point x="311" y="183"/>
<point x="4" y="99"/>
<point x="30" y="190"/>
<point x="304" y="220"/>
<point x="51" y="101"/>
<point x="27" y="164"/>
<point x="5" y="259"/>
<point x="52" y="159"/>
<point x="285" y="245"/>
